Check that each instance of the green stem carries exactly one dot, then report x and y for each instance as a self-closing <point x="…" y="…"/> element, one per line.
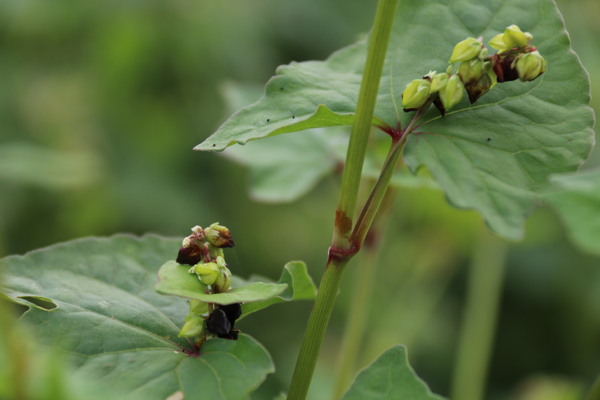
<point x="371" y="207"/>
<point x="362" y="293"/>
<point x="483" y="295"/>
<point x="315" y="330"/>
<point x="378" y="43"/>
<point x="342" y="249"/>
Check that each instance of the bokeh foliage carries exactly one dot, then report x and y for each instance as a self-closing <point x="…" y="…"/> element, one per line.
<point x="101" y="103"/>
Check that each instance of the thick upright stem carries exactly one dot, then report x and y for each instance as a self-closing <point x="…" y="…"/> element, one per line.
<point x="367" y="98"/>
<point x="342" y="249"/>
<point x="484" y="289"/>
<point x="315" y="330"/>
<point x="364" y="287"/>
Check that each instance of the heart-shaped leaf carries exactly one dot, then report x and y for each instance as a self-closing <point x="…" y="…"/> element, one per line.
<point x="491" y="157"/>
<point x="576" y="199"/>
<point x="117" y="329"/>
<point x="286" y="167"/>
<point x="390" y="377"/>
<point x="293" y="101"/>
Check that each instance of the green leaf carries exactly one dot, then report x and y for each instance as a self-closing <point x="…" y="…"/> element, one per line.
<point x="576" y="199"/>
<point x="390" y="377"/>
<point x="174" y="278"/>
<point x="118" y="330"/>
<point x="29" y="164"/>
<point x="299" y="284"/>
<point x="292" y="102"/>
<point x="492" y="157"/>
<point x="286" y="167"/>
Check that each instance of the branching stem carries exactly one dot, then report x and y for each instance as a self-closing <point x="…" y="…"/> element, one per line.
<point x="342" y="248"/>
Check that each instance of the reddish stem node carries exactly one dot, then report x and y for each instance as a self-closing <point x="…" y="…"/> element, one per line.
<point x="341" y="254"/>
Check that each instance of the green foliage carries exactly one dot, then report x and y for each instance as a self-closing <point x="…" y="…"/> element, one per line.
<point x="175" y="279"/>
<point x="95" y="298"/>
<point x="21" y="163"/>
<point x="294" y="284"/>
<point x="286" y="167"/>
<point x="576" y="199"/>
<point x="492" y="157"/>
<point x="97" y="102"/>
<point x="390" y="377"/>
<point x="299" y="286"/>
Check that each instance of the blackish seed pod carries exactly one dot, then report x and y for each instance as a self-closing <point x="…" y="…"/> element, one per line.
<point x="217" y="323"/>
<point x="232" y="311"/>
<point x="231" y="335"/>
<point x="189" y="255"/>
<point x="504" y="68"/>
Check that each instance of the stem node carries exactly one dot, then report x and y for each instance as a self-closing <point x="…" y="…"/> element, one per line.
<point x="339" y="254"/>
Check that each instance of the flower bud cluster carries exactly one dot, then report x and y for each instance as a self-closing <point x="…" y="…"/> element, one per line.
<point x="476" y="71"/>
<point x="203" y="251"/>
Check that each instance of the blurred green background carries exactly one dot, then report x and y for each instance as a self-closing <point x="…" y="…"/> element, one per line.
<point x="101" y="103"/>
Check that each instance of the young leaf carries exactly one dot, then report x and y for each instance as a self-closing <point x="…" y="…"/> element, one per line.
<point x="118" y="330"/>
<point x="175" y="279"/>
<point x="576" y="199"/>
<point x="299" y="287"/>
<point x="492" y="157"/>
<point x="390" y="377"/>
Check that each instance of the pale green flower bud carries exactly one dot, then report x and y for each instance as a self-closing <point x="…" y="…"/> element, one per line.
<point x="218" y="236"/>
<point x="471" y="71"/>
<point x="452" y="93"/>
<point x="497" y="42"/>
<point x="223" y="281"/>
<point x="438" y="81"/>
<point x="198" y="307"/>
<point x="530" y="66"/>
<point x="192" y="327"/>
<point x="466" y="50"/>
<point x="514" y="37"/>
<point x="478" y="87"/>
<point x="415" y="94"/>
<point x="207" y="272"/>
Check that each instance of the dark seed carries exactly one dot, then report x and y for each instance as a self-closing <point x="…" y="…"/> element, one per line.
<point x="232" y="311"/>
<point x="189" y="255"/>
<point x="217" y="323"/>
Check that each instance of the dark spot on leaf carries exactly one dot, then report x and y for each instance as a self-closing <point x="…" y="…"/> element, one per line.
<point x="40" y="302"/>
<point x="293" y="116"/>
<point x="268" y="120"/>
<point x="489" y="139"/>
<point x="281" y="88"/>
<point x="213" y="145"/>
